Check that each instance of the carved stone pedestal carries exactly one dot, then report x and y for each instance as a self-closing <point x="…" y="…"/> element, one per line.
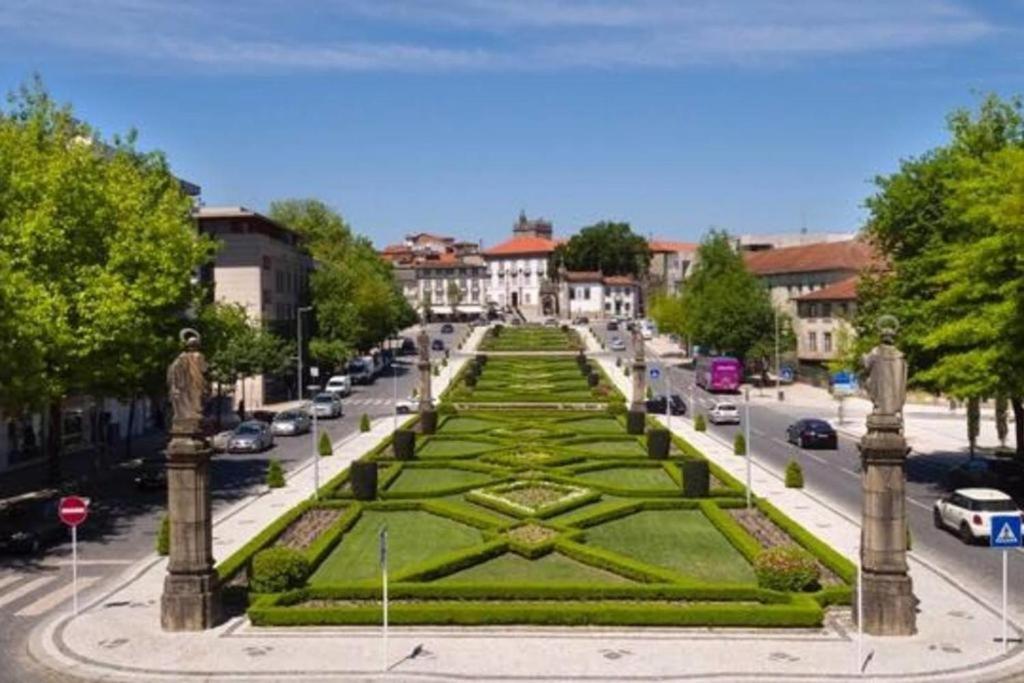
<point x="890" y="607"/>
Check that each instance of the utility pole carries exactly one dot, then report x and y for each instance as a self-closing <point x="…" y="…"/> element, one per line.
<point x="298" y="322"/>
<point x="778" y="362"/>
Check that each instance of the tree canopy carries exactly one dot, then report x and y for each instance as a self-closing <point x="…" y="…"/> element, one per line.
<point x="612" y="248"/>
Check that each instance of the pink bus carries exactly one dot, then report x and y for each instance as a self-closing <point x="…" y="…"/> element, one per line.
<point x="719" y="373"/>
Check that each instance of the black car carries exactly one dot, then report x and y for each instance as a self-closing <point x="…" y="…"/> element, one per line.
<point x="408" y="347"/>
<point x="447" y="328"/>
<point x="437" y="345"/>
<point x="30" y="523"/>
<point x="1004" y="475"/>
<point x="812" y="433"/>
<point x="151" y="475"/>
<point x="656" y="405"/>
<point x="613" y="326"/>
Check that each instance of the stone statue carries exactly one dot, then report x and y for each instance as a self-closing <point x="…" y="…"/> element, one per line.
<point x="423" y="345"/>
<point x="886" y="370"/>
<point x="186" y="380"/>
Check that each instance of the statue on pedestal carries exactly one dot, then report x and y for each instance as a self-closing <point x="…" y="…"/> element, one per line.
<point x="886" y="370"/>
<point x="187" y="385"/>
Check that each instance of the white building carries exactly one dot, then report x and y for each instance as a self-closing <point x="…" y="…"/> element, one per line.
<point x="518" y="270"/>
<point x="591" y="294"/>
<point x="449" y="287"/>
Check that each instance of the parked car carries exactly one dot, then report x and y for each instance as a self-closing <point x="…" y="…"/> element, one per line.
<point x="360" y="371"/>
<point x="151" y="475"/>
<point x="219" y="441"/>
<point x="437" y="345"/>
<point x="408" y="347"/>
<point x="617" y="344"/>
<point x="812" y="433"/>
<point x="251" y="436"/>
<point x="1005" y="475"/>
<point x="612" y="326"/>
<point x="581" y="320"/>
<point x="339" y="385"/>
<point x="326" y="405"/>
<point x="723" y="412"/>
<point x="969" y="512"/>
<point x="447" y="328"/>
<point x="647" y="332"/>
<point x="29" y="523"/>
<point x="657" y="404"/>
<point x="291" y="423"/>
<point x="406" y="406"/>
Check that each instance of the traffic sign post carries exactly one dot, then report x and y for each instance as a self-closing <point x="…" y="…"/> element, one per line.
<point x="72" y="511"/>
<point x="1005" y="533"/>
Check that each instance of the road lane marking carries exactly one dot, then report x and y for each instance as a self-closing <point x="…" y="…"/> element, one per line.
<point x="51" y="600"/>
<point x="8" y="580"/>
<point x="24" y="589"/>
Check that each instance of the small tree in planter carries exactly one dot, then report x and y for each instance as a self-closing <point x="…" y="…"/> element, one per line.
<point x="163" y="536"/>
<point x="275" y="475"/>
<point x="794" y="475"/>
<point x="437" y="371"/>
<point x="699" y="424"/>
<point x="364" y="423"/>
<point x="324" y="447"/>
<point x="739" y="444"/>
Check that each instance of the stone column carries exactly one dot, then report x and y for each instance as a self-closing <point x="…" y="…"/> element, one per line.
<point x="636" y="419"/>
<point x="428" y="416"/>
<point x="191" y="597"/>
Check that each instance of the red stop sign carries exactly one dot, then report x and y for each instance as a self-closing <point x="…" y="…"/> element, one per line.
<point x="73" y="510"/>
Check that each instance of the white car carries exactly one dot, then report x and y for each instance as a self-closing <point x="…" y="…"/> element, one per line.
<point x="406" y="406"/>
<point x="969" y="512"/>
<point x="617" y="344"/>
<point x="339" y="385"/>
<point x="723" y="412"/>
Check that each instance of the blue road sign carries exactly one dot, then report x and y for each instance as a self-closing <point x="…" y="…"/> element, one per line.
<point x="787" y="374"/>
<point x="655" y="373"/>
<point x="1005" y="531"/>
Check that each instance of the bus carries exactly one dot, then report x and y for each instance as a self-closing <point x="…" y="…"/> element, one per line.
<point x="718" y="374"/>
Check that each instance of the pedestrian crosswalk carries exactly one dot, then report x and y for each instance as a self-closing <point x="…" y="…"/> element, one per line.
<point x="34" y="593"/>
<point x="367" y="402"/>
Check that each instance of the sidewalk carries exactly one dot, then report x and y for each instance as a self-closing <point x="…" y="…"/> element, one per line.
<point x="117" y="636"/>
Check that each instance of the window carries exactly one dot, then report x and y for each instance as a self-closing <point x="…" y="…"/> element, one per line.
<point x="526" y="298"/>
<point x="572" y="294"/>
<point x="586" y="293"/>
<point x="266" y="263"/>
<point x="827" y="342"/>
<point x="812" y="341"/>
<point x="278" y="281"/>
<point x="826" y="310"/>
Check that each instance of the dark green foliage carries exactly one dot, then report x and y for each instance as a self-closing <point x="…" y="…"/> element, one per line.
<point x="794" y="475"/>
<point x="973" y="421"/>
<point x="275" y="474"/>
<point x="610" y="247"/>
<point x="593" y="379"/>
<point x="325" y="448"/>
<point x="699" y="424"/>
<point x="636" y="421"/>
<point x="658" y="441"/>
<point x="428" y="422"/>
<point x="696" y="478"/>
<point x="364" y="423"/>
<point x="739" y="444"/>
<point x="404" y="444"/>
<point x="787" y="568"/>
<point x="278" y="569"/>
<point x="363" y="477"/>
<point x="163" y="536"/>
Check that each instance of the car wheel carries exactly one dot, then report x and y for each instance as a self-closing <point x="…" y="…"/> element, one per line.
<point x="937" y="518"/>
<point x="965" y="534"/>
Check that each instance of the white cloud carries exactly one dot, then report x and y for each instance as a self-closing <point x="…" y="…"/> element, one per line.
<point x="443" y="35"/>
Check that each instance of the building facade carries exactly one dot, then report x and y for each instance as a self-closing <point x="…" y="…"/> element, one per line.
<point x="263" y="266"/>
<point x="517" y="269"/>
<point x="591" y="294"/>
<point x="450" y="288"/>
<point x="670" y="265"/>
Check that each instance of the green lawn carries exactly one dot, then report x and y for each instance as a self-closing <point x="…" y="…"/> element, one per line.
<point x="634" y="478"/>
<point x="609" y="447"/>
<point x="681" y="540"/>
<point x="421" y="480"/>
<point x="530" y="338"/>
<point x="593" y="425"/>
<point x="442" y="448"/>
<point x="551" y="568"/>
<point x="458" y="425"/>
<point x="412" y="537"/>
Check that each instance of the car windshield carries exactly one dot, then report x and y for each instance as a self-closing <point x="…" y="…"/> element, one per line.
<point x="288" y="416"/>
<point x="994" y="506"/>
<point x="726" y="406"/>
<point x="248" y="428"/>
<point x="818" y="424"/>
<point x="324" y="398"/>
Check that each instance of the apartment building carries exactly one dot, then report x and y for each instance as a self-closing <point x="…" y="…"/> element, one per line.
<point x="518" y="269"/>
<point x="670" y="264"/>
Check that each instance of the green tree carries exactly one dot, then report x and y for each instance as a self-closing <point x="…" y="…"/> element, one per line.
<point x="610" y="247"/>
<point x="666" y="310"/>
<point x="725" y="308"/>
<point x="97" y="254"/>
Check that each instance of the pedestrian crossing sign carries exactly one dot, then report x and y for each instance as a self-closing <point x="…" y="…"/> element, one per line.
<point x="1005" y="531"/>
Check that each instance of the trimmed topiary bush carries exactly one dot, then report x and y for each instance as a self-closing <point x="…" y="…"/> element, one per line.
<point x="618" y="361"/>
<point x="696" y="478"/>
<point x="437" y="371"/>
<point x="428" y="422"/>
<point x="649" y="392"/>
<point x="363" y="477"/>
<point x="364" y="423"/>
<point x="794" y="475"/>
<point x="658" y="441"/>
<point x="636" y="420"/>
<point x="325" y="448"/>
<point x="616" y="408"/>
<point x="625" y="371"/>
<point x="593" y="379"/>
<point x="278" y="569"/>
<point x="163" y="536"/>
<point x="403" y="444"/>
<point x="739" y="444"/>
<point x="275" y="475"/>
<point x="699" y="424"/>
<point x="787" y="568"/>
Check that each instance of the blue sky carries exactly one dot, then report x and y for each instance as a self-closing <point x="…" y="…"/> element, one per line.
<point x="452" y="115"/>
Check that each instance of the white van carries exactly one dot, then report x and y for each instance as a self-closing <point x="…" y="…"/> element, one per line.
<point x="339" y="385"/>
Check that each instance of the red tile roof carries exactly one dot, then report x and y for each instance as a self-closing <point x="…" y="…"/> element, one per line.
<point x="522" y="245"/>
<point x="844" y="290"/>
<point x="619" y="280"/>
<point x="396" y="249"/>
<point x="670" y="246"/>
<point x="583" y="275"/>
<point x="850" y="255"/>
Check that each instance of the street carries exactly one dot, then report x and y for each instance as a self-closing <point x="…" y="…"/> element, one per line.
<point x="835" y="475"/>
<point x="123" y="521"/>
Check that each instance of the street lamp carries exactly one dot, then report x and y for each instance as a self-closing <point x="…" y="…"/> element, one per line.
<point x="313" y="388"/>
<point x="298" y="322"/>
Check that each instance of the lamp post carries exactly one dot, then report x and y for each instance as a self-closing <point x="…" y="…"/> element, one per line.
<point x="778" y="361"/>
<point x="313" y="388"/>
<point x="298" y="322"/>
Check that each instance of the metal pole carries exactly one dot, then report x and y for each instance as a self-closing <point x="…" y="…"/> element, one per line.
<point x="860" y="614"/>
<point x="298" y="321"/>
<point x="746" y="429"/>
<point x="778" y="364"/>
<point x="1005" y="643"/>
<point x="74" y="573"/>
<point x="316" y="457"/>
<point x="394" y="387"/>
<point x="668" y="398"/>
<point x="384" y="578"/>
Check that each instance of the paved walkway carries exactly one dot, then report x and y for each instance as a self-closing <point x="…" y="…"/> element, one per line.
<point x="117" y="635"/>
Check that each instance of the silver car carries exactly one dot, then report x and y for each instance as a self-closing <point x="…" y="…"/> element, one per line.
<point x="290" y="423"/>
<point x="617" y="344"/>
<point x="326" y="405"/>
<point x="251" y="437"/>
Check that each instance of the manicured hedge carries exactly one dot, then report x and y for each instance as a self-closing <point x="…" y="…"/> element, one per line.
<point x="740" y="539"/>
<point x="840" y="565"/>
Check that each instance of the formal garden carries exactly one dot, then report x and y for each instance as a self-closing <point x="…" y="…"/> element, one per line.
<point x="531" y="338"/>
<point x="533" y="379"/>
<point x="529" y="516"/>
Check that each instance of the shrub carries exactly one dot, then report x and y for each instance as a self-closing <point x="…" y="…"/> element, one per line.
<point x="787" y="568"/>
<point x="444" y="362"/>
<point x="324" y="447"/>
<point x="437" y="371"/>
<point x="625" y="370"/>
<point x="650" y="392"/>
<point x="794" y="475"/>
<point x="699" y="424"/>
<point x="364" y="423"/>
<point x="415" y="392"/>
<point x="163" y="536"/>
<point x="739" y="445"/>
<point x="618" y="361"/>
<point x="278" y="569"/>
<point x="616" y="408"/>
<point x="446" y="408"/>
<point x="275" y="475"/>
